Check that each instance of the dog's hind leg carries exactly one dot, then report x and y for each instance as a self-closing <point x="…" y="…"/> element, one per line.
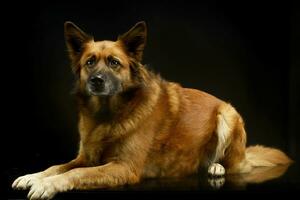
<point x="231" y="140"/>
<point x="231" y="149"/>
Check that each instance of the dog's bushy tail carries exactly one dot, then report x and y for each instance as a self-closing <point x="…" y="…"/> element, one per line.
<point x="260" y="156"/>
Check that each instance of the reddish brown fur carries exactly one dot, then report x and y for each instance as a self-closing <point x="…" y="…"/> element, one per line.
<point x="162" y="130"/>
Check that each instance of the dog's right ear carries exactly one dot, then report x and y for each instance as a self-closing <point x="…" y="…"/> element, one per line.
<point x="134" y="40"/>
<point x="75" y="40"/>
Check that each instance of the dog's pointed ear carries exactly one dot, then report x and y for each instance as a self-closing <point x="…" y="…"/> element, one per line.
<point x="134" y="40"/>
<point x="75" y="39"/>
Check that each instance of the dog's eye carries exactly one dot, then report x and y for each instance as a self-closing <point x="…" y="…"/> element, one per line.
<point x="91" y="61"/>
<point x="114" y="63"/>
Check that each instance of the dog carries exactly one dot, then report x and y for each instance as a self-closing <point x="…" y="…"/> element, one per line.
<point x="133" y="124"/>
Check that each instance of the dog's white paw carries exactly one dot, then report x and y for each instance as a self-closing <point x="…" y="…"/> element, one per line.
<point x="42" y="189"/>
<point x="216" y="183"/>
<point x="26" y="181"/>
<point x="216" y="169"/>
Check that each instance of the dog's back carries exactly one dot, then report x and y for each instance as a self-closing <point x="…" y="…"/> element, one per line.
<point x="199" y="129"/>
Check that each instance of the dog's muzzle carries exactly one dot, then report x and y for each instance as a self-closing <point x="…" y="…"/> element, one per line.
<point x="96" y="84"/>
<point x="103" y="84"/>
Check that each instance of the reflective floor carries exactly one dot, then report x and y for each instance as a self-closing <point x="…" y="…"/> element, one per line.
<point x="263" y="181"/>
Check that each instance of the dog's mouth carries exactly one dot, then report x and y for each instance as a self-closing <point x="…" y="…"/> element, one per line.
<point x="97" y="91"/>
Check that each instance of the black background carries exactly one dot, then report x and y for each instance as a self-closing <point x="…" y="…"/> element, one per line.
<point x="244" y="53"/>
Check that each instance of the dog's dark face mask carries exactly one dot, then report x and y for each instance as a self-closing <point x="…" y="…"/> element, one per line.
<point x="103" y="84"/>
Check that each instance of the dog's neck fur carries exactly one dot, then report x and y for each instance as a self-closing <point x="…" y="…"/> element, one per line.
<point x="108" y="108"/>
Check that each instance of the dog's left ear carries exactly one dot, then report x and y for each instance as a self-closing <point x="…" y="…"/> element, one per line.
<point x="134" y="40"/>
<point x="75" y="40"/>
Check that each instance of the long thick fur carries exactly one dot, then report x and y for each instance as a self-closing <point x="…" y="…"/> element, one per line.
<point x="260" y="156"/>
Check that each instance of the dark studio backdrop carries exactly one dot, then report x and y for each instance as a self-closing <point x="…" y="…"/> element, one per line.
<point x="243" y="53"/>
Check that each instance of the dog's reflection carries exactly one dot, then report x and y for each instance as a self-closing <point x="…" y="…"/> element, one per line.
<point x="216" y="182"/>
<point x="204" y="182"/>
<point x="257" y="175"/>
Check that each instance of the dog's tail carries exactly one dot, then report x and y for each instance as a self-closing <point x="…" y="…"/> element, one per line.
<point x="260" y="156"/>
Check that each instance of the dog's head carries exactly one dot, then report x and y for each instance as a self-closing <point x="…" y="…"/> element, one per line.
<point x="105" y="68"/>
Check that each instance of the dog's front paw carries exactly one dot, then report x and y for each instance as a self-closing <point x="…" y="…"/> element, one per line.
<point x="42" y="189"/>
<point x="216" y="169"/>
<point x="26" y="181"/>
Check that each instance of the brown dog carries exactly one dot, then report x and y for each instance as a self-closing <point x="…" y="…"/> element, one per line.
<point x="133" y="124"/>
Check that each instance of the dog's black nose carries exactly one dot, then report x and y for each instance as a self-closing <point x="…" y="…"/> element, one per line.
<point x="97" y="80"/>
